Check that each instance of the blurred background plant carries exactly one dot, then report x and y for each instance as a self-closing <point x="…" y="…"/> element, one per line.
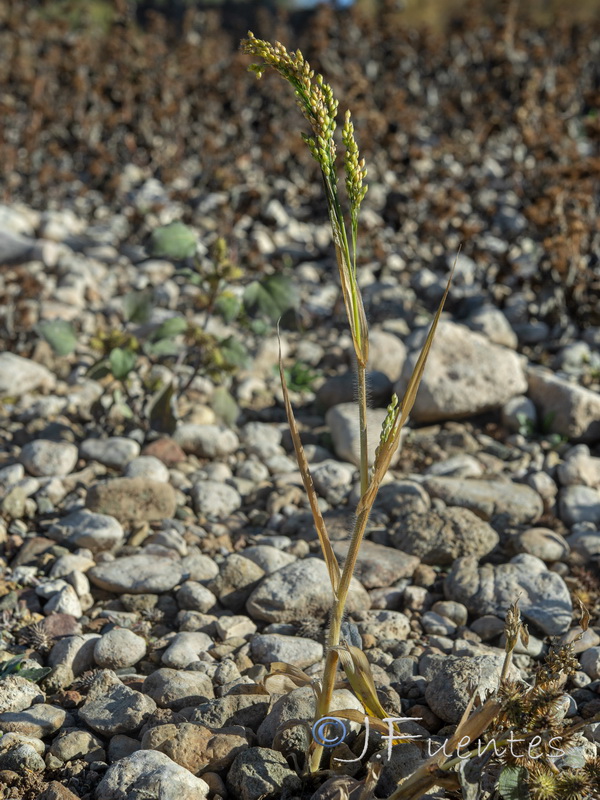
<point x="138" y="343"/>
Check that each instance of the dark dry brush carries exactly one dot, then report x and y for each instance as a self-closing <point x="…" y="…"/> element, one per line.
<point x="470" y="94"/>
<point x="78" y="106"/>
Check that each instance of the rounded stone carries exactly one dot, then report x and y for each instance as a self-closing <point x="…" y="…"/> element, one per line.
<point x="119" y="648"/>
<point x="139" y="574"/>
<point x="115" y="452"/>
<point x="185" y="648"/>
<point x="195" y="597"/>
<point x="590" y="662"/>
<point x="543" y="543"/>
<point x="132" y="499"/>
<point x="206" y="441"/>
<point x="44" y="458"/>
<point x="148" y="467"/>
<point x="212" y="499"/>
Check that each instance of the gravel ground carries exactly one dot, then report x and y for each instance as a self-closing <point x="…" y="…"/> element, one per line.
<point x="157" y="563"/>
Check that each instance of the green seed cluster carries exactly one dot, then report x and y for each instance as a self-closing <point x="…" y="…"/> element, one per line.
<point x="356" y="171"/>
<point x="315" y="96"/>
<point x="388" y="423"/>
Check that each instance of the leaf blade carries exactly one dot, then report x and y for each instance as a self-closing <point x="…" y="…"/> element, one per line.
<point x="328" y="554"/>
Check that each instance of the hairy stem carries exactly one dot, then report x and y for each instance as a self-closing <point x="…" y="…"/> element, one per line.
<point x="335" y="628"/>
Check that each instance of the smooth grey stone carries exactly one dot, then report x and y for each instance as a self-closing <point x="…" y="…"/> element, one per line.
<point x="544" y="599"/>
<point x="299" y="590"/>
<point x="466" y="374"/>
<point x="579" y="504"/>
<point x="16" y="249"/>
<point x="97" y="532"/>
<point x="21" y="375"/>
<point x="177" y="688"/>
<point x="138" y="574"/>
<point x="44" y="458"/>
<point x="116" y="451"/>
<point x="343" y="423"/>
<point x="295" y="650"/>
<point x="213" y="499"/>
<point x="39" y="720"/>
<point x="378" y="565"/>
<point x="119" y="648"/>
<point x="72" y="745"/>
<point x="573" y="410"/>
<point x="206" y="441"/>
<point x="493" y="499"/>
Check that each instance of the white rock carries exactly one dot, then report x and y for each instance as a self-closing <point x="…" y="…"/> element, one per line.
<point x="574" y="411"/>
<point x="20" y="375"/>
<point x="206" y="441"/>
<point x="490" y="321"/>
<point x="98" y="532"/>
<point x="185" y="648"/>
<point x="579" y="504"/>
<point x="343" y="425"/>
<point x="261" y="439"/>
<point x="268" y="558"/>
<point x="386" y="353"/>
<point x="579" y="468"/>
<point x="116" y="451"/>
<point x="45" y="458"/>
<point x="214" y="499"/>
<point x="299" y="590"/>
<point x="590" y="662"/>
<point x="465" y="374"/>
<point x="195" y="597"/>
<point x="64" y="602"/>
<point x="518" y="412"/>
<point x="147" y="467"/>
<point x="333" y="480"/>
<point x="268" y="647"/>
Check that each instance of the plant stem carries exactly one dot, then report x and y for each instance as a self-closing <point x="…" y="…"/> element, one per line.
<point x="362" y="414"/>
<point x="335" y="628"/>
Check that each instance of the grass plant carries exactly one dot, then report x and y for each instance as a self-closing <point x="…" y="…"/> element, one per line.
<point x="319" y="107"/>
<point x="530" y="715"/>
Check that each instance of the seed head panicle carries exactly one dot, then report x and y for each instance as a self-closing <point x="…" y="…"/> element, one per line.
<point x="314" y="96"/>
<point x="356" y="171"/>
<point x="388" y="423"/>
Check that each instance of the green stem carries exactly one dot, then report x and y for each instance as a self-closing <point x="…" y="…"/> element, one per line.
<point x="335" y="628"/>
<point x="362" y="413"/>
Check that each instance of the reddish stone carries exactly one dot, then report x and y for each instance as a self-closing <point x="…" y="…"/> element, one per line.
<point x="56" y="791"/>
<point x="165" y="449"/>
<point x="31" y="550"/>
<point x="57" y="625"/>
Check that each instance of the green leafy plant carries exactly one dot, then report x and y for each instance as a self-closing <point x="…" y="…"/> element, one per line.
<point x="60" y="335"/>
<point x="16" y="666"/>
<point x="300" y="377"/>
<point x="541" y="431"/>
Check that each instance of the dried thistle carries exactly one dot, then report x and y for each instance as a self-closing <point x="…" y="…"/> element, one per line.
<point x="542" y="783"/>
<point x="37" y="637"/>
